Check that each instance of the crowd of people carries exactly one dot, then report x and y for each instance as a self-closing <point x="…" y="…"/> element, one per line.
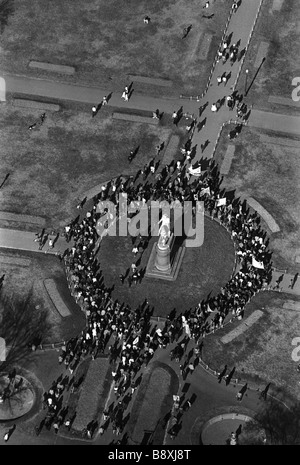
<point x="129" y="335"/>
<point x="133" y="336"/>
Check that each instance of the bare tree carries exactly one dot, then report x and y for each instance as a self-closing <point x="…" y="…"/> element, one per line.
<point x="22" y="326"/>
<point x="6" y="10"/>
<point x="276" y="423"/>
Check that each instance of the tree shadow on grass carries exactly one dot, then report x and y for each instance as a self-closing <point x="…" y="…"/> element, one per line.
<point x="275" y="425"/>
<point x="23" y="327"/>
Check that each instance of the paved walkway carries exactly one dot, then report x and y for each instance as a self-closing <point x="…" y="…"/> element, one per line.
<point x="91" y="95"/>
<point x="208" y="391"/>
<point x="24" y="240"/>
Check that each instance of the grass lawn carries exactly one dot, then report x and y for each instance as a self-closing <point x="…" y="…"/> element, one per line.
<point x="203" y="270"/>
<point x="270" y="173"/>
<point x="152" y="403"/>
<point x="20" y="279"/>
<point x="281" y="30"/>
<point x="53" y="166"/>
<point x="264" y="351"/>
<point x="106" y="41"/>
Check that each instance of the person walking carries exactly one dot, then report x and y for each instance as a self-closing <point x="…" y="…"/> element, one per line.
<point x="175" y="117"/>
<point x="125" y="94"/>
<point x="156" y="114"/>
<point x="213" y="108"/>
<point x="293" y="281"/>
<point x="8" y="434"/>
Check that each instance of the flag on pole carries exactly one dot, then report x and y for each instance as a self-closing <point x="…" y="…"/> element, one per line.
<point x="205" y="191"/>
<point x="221" y="202"/>
<point x="257" y="264"/>
<point x="195" y="171"/>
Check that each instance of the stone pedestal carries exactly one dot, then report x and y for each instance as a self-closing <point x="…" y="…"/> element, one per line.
<point x="164" y="261"/>
<point x="163" y="257"/>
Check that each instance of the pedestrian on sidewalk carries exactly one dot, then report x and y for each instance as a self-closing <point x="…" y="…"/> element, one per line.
<point x="135" y="250"/>
<point x="56" y="426"/>
<point x="50" y="245"/>
<point x="239" y="396"/>
<point x="186" y="30"/>
<point x="8" y="434"/>
<point x="125" y="94"/>
<point x="213" y="108"/>
<point x="43" y="241"/>
<point x="235" y="5"/>
<point x="38" y="428"/>
<point x="39" y="235"/>
<point x="131" y="156"/>
<point x="43" y="117"/>
<point x="175" y="117"/>
<point x="293" y="281"/>
<point x="230" y="102"/>
<point x="158" y="149"/>
<point x="156" y="114"/>
<point x="4" y="180"/>
<point x="219" y="80"/>
<point x="104" y="100"/>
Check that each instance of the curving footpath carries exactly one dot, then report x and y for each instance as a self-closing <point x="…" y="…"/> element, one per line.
<point x="202" y="383"/>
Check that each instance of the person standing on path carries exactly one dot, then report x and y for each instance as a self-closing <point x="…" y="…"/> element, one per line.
<point x="293" y="281"/>
<point x="6" y="177"/>
<point x="175" y="117"/>
<point x="125" y="94"/>
<point x="8" y="434"/>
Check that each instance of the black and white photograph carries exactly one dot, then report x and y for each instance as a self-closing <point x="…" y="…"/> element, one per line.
<point x="150" y="225"/>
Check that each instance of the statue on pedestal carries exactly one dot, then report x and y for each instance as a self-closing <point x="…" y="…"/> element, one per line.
<point x="164" y="231"/>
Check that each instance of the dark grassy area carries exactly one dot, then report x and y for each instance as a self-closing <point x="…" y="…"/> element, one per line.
<point x="263" y="353"/>
<point x="20" y="279"/>
<point x="106" y="41"/>
<point x="203" y="270"/>
<point x="281" y="30"/>
<point x="65" y="157"/>
<point x="152" y="403"/>
<point x="269" y="173"/>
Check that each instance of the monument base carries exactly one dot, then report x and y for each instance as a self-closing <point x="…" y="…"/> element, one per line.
<point x="170" y="274"/>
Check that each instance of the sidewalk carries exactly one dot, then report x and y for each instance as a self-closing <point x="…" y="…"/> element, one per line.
<point x="240" y="26"/>
<point x="275" y="122"/>
<point x="285" y="283"/>
<point x="24" y="240"/>
<point x="91" y="95"/>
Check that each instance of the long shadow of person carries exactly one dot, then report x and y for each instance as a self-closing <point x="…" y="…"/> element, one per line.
<point x="238" y="431"/>
<point x="222" y="374"/>
<point x="263" y="394"/>
<point x="201" y="124"/>
<point x="202" y="108"/>
<point x="109" y="97"/>
<point x="241" y="54"/>
<point x="229" y="376"/>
